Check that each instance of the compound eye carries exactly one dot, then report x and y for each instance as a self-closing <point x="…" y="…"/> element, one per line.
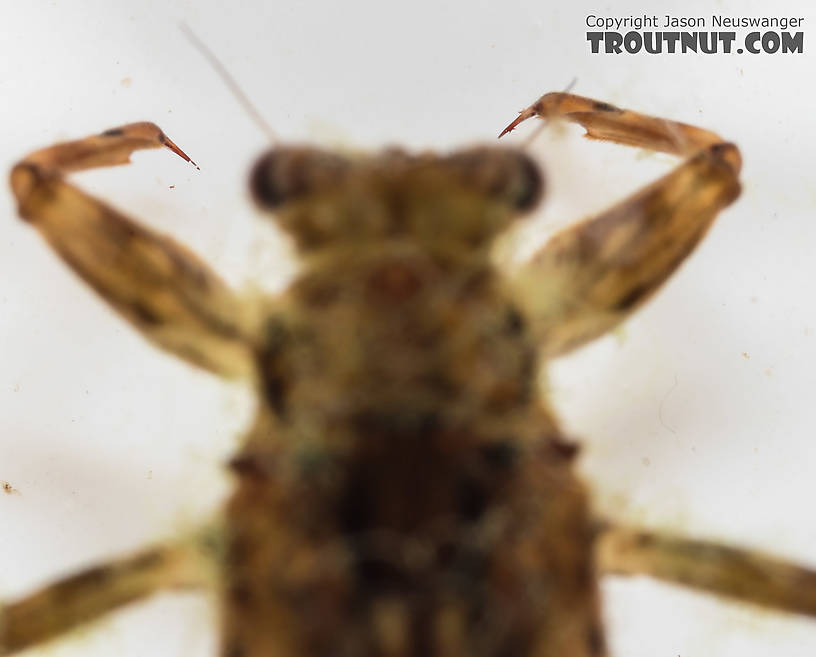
<point x="506" y="175"/>
<point x="287" y="174"/>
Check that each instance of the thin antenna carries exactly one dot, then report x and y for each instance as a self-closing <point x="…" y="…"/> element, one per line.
<point x="240" y="96"/>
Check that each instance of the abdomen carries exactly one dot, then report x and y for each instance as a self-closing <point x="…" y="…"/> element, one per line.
<point x="417" y="546"/>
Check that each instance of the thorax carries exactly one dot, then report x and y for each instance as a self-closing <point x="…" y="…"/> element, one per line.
<point x="395" y="331"/>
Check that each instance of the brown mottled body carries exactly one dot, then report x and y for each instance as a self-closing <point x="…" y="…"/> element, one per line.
<point x="404" y="491"/>
<point x="413" y="500"/>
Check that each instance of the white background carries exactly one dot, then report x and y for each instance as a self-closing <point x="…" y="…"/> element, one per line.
<point x="696" y="417"/>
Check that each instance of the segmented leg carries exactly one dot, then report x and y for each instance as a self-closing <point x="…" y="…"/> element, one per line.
<point x="88" y="595"/>
<point x="162" y="288"/>
<point x="741" y="574"/>
<point x="592" y="275"/>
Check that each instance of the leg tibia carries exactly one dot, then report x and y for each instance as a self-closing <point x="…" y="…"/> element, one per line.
<point x="88" y="595"/>
<point x="739" y="574"/>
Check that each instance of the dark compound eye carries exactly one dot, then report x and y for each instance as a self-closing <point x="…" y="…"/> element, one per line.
<point x="529" y="184"/>
<point x="503" y="174"/>
<point x="287" y="174"/>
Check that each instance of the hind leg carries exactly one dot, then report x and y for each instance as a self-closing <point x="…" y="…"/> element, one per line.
<point x="739" y="574"/>
<point x="86" y="596"/>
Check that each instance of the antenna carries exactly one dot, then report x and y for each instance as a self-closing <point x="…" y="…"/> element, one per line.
<point x="240" y="96"/>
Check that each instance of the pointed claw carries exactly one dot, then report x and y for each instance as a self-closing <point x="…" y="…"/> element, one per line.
<point x="144" y="134"/>
<point x="172" y="146"/>
<point x="523" y="116"/>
